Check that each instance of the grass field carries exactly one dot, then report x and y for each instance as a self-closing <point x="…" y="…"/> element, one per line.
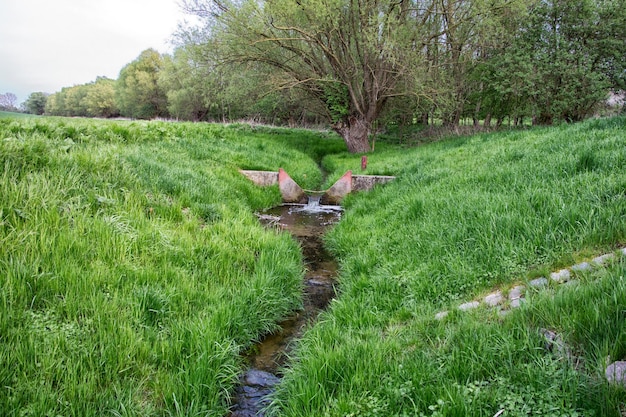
<point x="134" y="272"/>
<point x="466" y="216"/>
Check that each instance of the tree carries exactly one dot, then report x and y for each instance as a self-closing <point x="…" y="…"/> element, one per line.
<point x="188" y="85"/>
<point x="349" y="55"/>
<point x="558" y="62"/>
<point x="137" y="91"/>
<point x="99" y="100"/>
<point x="353" y="56"/>
<point x="8" y="101"/>
<point x="36" y="103"/>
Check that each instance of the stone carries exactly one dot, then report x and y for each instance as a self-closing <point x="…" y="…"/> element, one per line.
<point x="581" y="267"/>
<point x="469" y="306"/>
<point x="516" y="302"/>
<point x="516" y="292"/>
<point x="555" y="344"/>
<point x="616" y="373"/>
<point x="601" y="260"/>
<point x="623" y="251"/>
<point x="494" y="299"/>
<point x="257" y="378"/>
<point x="560" y="276"/>
<point x="538" y="282"/>
<point x="441" y="315"/>
<point x="290" y="191"/>
<point x="572" y="283"/>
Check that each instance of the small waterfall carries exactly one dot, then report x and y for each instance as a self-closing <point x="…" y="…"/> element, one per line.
<point x="314" y="201"/>
<point x="315" y="206"/>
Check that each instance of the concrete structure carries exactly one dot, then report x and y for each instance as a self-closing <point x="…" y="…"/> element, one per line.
<point x="293" y="193"/>
<point x="338" y="191"/>
<point x="367" y="182"/>
<point x="290" y="190"/>
<point x="262" y="178"/>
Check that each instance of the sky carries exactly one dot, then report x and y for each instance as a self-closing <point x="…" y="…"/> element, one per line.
<point x="46" y="45"/>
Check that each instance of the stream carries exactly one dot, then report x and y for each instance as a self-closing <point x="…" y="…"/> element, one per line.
<point x="307" y="223"/>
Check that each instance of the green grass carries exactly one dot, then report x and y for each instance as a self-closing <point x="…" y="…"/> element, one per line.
<point x="133" y="271"/>
<point x="5" y="114"/>
<point x="465" y="216"/>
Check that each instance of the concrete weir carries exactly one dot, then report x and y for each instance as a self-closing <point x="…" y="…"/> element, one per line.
<point x="291" y="192"/>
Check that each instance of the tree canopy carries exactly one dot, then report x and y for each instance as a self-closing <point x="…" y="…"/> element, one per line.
<point x="360" y="64"/>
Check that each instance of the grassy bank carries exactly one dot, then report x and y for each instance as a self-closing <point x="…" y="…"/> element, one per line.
<point x="133" y="271"/>
<point x="465" y="216"/>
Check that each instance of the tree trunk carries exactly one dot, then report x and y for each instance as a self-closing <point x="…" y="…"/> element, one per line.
<point x="487" y="122"/>
<point x="355" y="133"/>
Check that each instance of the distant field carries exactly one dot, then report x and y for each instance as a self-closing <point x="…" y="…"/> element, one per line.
<point x="134" y="272"/>
<point x="4" y="114"/>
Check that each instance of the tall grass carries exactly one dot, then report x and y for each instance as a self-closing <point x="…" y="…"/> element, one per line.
<point x="133" y="271"/>
<point x="463" y="217"/>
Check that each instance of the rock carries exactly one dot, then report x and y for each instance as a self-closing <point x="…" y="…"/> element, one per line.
<point x="494" y="299"/>
<point x="616" y="373"/>
<point x="601" y="260"/>
<point x="623" y="251"/>
<point x="581" y="267"/>
<point x="516" y="302"/>
<point x="469" y="306"/>
<point x="257" y="378"/>
<point x="560" y="276"/>
<point x="516" y="292"/>
<point x="441" y="315"/>
<point x="572" y="283"/>
<point x="556" y="344"/>
<point x="538" y="282"/>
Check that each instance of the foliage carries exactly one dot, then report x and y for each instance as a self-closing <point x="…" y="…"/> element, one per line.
<point x="96" y="99"/>
<point x="138" y="94"/>
<point x="36" y="103"/>
<point x="555" y="64"/>
<point x="8" y="102"/>
<point x="358" y="68"/>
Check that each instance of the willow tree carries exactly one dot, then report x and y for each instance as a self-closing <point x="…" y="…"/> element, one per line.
<point x="349" y="55"/>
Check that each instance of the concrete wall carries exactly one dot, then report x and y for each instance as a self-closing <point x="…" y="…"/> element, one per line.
<point x="367" y="182"/>
<point x="292" y="193"/>
<point x="262" y="178"/>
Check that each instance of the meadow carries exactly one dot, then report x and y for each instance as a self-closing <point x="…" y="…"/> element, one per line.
<point x="133" y="269"/>
<point x="464" y="217"/>
<point x="134" y="272"/>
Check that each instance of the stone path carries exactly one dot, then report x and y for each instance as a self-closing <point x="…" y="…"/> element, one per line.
<point x="517" y="294"/>
<point x="615" y="372"/>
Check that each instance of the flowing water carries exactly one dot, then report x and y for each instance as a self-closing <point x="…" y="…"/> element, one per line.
<point x="307" y="224"/>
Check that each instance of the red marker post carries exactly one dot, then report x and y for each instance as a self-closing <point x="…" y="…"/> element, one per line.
<point x="363" y="163"/>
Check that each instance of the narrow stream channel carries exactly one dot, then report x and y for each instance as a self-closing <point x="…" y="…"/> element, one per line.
<point x="307" y="223"/>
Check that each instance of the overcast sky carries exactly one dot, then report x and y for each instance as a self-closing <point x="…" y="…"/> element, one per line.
<point x="46" y="45"/>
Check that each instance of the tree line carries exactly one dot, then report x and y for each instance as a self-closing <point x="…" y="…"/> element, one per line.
<point x="356" y="64"/>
